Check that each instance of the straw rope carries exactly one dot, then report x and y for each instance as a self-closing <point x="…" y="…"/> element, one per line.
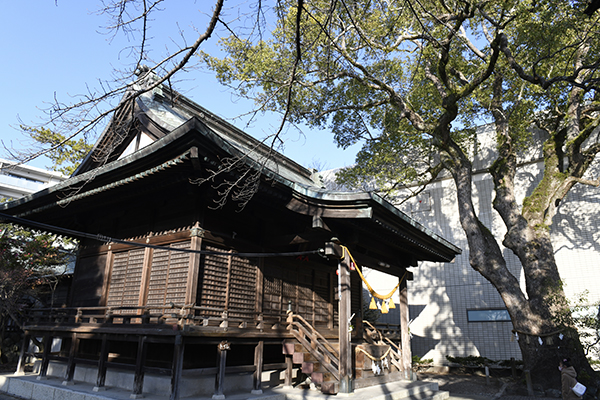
<point x="369" y="288"/>
<point x="375" y="358"/>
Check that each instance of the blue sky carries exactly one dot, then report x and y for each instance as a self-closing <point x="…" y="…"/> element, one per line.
<point x="60" y="49"/>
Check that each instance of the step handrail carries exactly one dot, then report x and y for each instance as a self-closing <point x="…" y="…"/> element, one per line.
<point x="322" y="349"/>
<point x="315" y="332"/>
<point x="333" y="356"/>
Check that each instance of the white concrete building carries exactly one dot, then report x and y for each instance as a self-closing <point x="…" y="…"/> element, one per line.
<point x="453" y="309"/>
<point x="18" y="180"/>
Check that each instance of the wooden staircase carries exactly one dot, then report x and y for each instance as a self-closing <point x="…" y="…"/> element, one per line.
<point x="317" y="357"/>
<point x="318" y="360"/>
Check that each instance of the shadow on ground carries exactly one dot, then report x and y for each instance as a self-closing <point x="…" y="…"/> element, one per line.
<point x="477" y="387"/>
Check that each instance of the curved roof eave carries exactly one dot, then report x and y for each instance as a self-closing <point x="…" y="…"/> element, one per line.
<point x="310" y="194"/>
<point x="368" y="199"/>
<point x="112" y="166"/>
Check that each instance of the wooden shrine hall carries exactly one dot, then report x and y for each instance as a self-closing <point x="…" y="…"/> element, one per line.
<point x="209" y="263"/>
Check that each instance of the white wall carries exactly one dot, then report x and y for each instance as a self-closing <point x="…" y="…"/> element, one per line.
<point x="18" y="180"/>
<point x="441" y="294"/>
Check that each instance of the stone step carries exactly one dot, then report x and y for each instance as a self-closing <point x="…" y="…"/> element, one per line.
<point x="330" y="387"/>
<point x="391" y="391"/>
<point x="427" y="395"/>
<point x="288" y="348"/>
<point x="298" y="358"/>
<point x="320" y="377"/>
<point x="309" y="367"/>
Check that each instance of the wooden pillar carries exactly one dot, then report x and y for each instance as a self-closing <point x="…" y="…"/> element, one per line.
<point x="70" y="373"/>
<point x="138" y="379"/>
<point x="221" y="364"/>
<point x="404" y="334"/>
<point x="259" y="287"/>
<point x="258" y="362"/>
<point x="23" y="355"/>
<point x="191" y="291"/>
<point x="47" y="342"/>
<point x="101" y="377"/>
<point x="289" y="366"/>
<point x="359" y="317"/>
<point x="346" y="384"/>
<point x="177" y="367"/>
<point x="106" y="278"/>
<point x="145" y="279"/>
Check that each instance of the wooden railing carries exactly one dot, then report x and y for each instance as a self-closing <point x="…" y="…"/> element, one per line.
<point x="375" y="336"/>
<point x="172" y="314"/>
<point x="314" y="343"/>
<point x="391" y="331"/>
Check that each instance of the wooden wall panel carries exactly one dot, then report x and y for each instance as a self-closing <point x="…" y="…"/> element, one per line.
<point x="336" y="300"/>
<point x="88" y="281"/>
<point x="289" y="291"/>
<point x="321" y="298"/>
<point x="355" y="296"/>
<point x="308" y="288"/>
<point x="126" y="279"/>
<point x="157" y="286"/>
<point x="213" y="292"/>
<point x="168" y="276"/>
<point x="179" y="265"/>
<point x="242" y="286"/>
<point x="228" y="283"/>
<point x="272" y="293"/>
<point x="305" y="294"/>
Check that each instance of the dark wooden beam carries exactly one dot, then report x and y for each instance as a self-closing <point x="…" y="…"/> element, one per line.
<point x="138" y="378"/>
<point x="288" y="371"/>
<point x="222" y="349"/>
<point x="47" y="342"/>
<point x="102" y="360"/>
<point x="345" y="367"/>
<point x="349" y="211"/>
<point x="258" y="363"/>
<point x="319" y="223"/>
<point x="298" y="238"/>
<point x="70" y="372"/>
<point x="177" y="367"/>
<point x="23" y="355"/>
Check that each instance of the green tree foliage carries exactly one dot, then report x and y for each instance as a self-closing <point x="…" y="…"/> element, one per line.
<point x="30" y="264"/>
<point x="412" y="81"/>
<point x="65" y="154"/>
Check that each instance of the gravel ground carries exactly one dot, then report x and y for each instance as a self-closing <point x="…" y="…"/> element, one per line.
<point x="476" y="387"/>
<point x="462" y="386"/>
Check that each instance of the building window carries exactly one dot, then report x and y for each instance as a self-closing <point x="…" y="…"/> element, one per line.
<point x="488" y="315"/>
<point x="421" y="202"/>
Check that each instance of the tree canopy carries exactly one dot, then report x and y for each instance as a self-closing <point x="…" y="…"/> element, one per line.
<point x="413" y="80"/>
<point x="406" y="79"/>
<point x="31" y="264"/>
<point x="65" y="154"/>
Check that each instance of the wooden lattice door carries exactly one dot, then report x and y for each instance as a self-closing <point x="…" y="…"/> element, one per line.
<point x="126" y="280"/>
<point x="168" y="276"/>
<point x="228" y="283"/>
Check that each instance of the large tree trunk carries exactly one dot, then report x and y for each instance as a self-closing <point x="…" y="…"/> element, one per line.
<point x="532" y="315"/>
<point x="545" y="332"/>
<point x="547" y="335"/>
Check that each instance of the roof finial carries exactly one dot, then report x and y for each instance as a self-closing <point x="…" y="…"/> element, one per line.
<point x="141" y="70"/>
